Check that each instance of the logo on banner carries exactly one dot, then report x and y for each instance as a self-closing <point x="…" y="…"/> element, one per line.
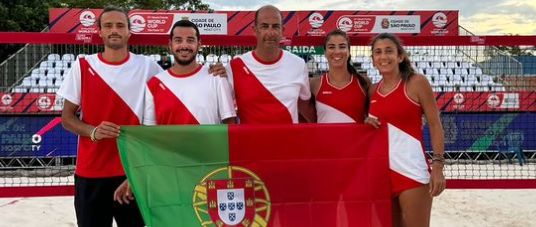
<point x="87" y="18"/>
<point x="6" y="99"/>
<point x="458" y="98"/>
<point x="240" y="198"/>
<point x="458" y="101"/>
<point x="345" y="24"/>
<point x="439" y="20"/>
<point x="44" y="102"/>
<point x="385" y="23"/>
<point x="493" y="101"/>
<point x="137" y="23"/>
<point x="316" y="20"/>
<point x="510" y="101"/>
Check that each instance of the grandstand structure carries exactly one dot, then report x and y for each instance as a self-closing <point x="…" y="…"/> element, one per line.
<point x="484" y="94"/>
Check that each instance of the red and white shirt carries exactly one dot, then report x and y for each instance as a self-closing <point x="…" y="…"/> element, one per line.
<point x="340" y="105"/>
<point x="194" y="98"/>
<point x="268" y="92"/>
<point x="106" y="91"/>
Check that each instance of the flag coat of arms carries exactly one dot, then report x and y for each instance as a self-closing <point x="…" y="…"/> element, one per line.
<point x="259" y="175"/>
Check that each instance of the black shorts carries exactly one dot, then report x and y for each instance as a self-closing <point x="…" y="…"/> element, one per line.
<point x="95" y="206"/>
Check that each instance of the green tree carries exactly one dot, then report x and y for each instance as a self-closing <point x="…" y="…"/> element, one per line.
<point x="18" y="16"/>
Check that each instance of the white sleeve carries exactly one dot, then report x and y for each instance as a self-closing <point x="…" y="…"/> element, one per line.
<point x="305" y="89"/>
<point x="229" y="70"/>
<point x="226" y="107"/>
<point x="149" y="116"/>
<point x="71" y="87"/>
<point x="154" y="69"/>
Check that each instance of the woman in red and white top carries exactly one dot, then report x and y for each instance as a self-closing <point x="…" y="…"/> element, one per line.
<point x="340" y="94"/>
<point x="400" y="99"/>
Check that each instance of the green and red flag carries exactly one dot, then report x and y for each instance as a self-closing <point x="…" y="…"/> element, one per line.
<point x="259" y="175"/>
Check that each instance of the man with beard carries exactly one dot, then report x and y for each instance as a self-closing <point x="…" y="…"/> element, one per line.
<point x="186" y="93"/>
<point x="108" y="89"/>
<point x="270" y="84"/>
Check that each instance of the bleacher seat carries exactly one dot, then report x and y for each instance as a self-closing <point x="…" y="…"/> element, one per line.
<point x="200" y="59"/>
<point x="35" y="73"/>
<point x="52" y="90"/>
<point x="486" y="80"/>
<point x="449" y="88"/>
<point x="423" y="64"/>
<point x="61" y="65"/>
<point x="37" y="90"/>
<point x="498" y="88"/>
<point x="155" y="57"/>
<point x="481" y="88"/>
<point x="471" y="80"/>
<point x="53" y="57"/>
<point x="211" y="58"/>
<point x="54" y="71"/>
<point x="68" y="57"/>
<point x="46" y="65"/>
<point x="357" y="59"/>
<point x="225" y="59"/>
<point x="437" y="65"/>
<point x="29" y="82"/>
<point x="19" y="89"/>
<point x="46" y="82"/>
<point x="456" y="80"/>
<point x="323" y="67"/>
<point x="54" y="76"/>
<point x="446" y="71"/>
<point x="452" y="65"/>
<point x="461" y="71"/>
<point x="465" y="88"/>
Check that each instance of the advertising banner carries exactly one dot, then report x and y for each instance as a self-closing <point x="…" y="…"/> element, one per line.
<point x="296" y="23"/>
<point x="35" y="136"/>
<point x="486" y="131"/>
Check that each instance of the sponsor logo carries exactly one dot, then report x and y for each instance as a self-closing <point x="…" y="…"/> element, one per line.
<point x="493" y="101"/>
<point x="137" y="23"/>
<point x="439" y="20"/>
<point x="44" y="102"/>
<point x="316" y="20"/>
<point x="345" y="24"/>
<point x="232" y="196"/>
<point x="87" y="18"/>
<point x="7" y="99"/>
<point x="458" y="98"/>
<point x="385" y="23"/>
<point x="326" y="92"/>
<point x="510" y="101"/>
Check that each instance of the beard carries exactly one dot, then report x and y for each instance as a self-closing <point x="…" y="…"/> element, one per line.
<point x="187" y="61"/>
<point x="114" y="45"/>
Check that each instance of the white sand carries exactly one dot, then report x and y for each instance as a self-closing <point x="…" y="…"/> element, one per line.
<point x="501" y="208"/>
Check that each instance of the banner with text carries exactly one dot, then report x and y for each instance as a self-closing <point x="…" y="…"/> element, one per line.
<point x="486" y="131"/>
<point x="296" y="23"/>
<point x="35" y="136"/>
<point x="446" y="101"/>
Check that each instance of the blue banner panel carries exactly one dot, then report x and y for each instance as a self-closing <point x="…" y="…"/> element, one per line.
<point x="487" y="131"/>
<point x="35" y="136"/>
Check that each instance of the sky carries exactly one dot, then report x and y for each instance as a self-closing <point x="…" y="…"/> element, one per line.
<point x="481" y="17"/>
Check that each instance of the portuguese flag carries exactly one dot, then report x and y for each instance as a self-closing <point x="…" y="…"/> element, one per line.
<point x="259" y="175"/>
